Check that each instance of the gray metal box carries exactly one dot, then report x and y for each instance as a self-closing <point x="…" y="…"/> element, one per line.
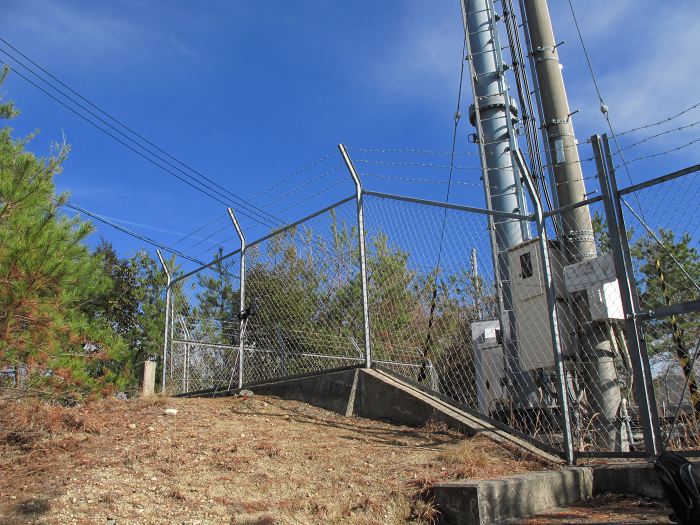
<point x="489" y="364"/>
<point x="533" y="323"/>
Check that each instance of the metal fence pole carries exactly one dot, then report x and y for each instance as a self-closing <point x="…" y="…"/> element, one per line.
<point x="363" y="259"/>
<point x="619" y="245"/>
<point x="552" y="309"/>
<point x="167" y="315"/>
<point x="244" y="318"/>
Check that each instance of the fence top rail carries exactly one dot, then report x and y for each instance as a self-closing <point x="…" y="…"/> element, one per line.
<point x="439" y="204"/>
<point x="573" y="206"/>
<point x="659" y="180"/>
<point x="205" y="266"/>
<point x="263" y="238"/>
<point x="291" y="225"/>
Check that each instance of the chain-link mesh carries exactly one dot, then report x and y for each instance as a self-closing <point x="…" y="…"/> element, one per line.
<point x="458" y="302"/>
<point x="204" y="328"/>
<point x="436" y="317"/>
<point x="664" y="231"/>
<point x="303" y="286"/>
<point x="598" y="366"/>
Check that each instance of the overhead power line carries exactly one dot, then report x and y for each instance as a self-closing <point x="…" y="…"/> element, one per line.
<point x="215" y="190"/>
<point x="131" y="233"/>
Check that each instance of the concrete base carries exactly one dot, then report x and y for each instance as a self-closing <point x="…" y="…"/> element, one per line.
<point x="638" y="479"/>
<point x="495" y="501"/>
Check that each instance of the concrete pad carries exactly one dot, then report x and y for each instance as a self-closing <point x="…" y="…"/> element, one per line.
<point x="496" y="501"/>
<point x="382" y="396"/>
<point x="635" y="479"/>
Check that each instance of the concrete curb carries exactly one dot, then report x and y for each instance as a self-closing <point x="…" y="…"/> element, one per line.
<point x="519" y="496"/>
<point x="515" y="497"/>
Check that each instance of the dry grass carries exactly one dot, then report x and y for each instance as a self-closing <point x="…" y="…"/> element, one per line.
<point x="228" y="460"/>
<point x="482" y="458"/>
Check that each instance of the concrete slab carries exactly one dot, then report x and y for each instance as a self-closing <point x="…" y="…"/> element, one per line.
<point x="634" y="479"/>
<point x="382" y="396"/>
<point x="496" y="501"/>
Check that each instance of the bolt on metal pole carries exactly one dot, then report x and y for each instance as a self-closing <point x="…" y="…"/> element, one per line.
<point x="244" y="320"/>
<point x="363" y="259"/>
<point x="167" y="315"/>
<point x="644" y="388"/>
<point x="552" y="310"/>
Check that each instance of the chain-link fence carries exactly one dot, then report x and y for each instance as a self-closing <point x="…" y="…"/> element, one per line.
<point x="583" y="341"/>
<point x="663" y="229"/>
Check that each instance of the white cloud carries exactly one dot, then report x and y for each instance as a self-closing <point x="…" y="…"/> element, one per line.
<point x="422" y="58"/>
<point x="89" y="33"/>
<point x="644" y="56"/>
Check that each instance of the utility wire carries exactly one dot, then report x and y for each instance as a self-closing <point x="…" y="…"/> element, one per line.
<point x="603" y="105"/>
<point x="193" y="185"/>
<point x="422" y="375"/>
<point x="240" y="202"/>
<point x="131" y="233"/>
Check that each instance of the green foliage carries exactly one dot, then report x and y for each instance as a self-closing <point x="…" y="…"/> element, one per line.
<point x="47" y="275"/>
<point x="663" y="281"/>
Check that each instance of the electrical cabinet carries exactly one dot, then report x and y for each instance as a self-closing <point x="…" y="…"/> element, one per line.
<point x="597" y="278"/>
<point x="489" y="364"/>
<point x="530" y="306"/>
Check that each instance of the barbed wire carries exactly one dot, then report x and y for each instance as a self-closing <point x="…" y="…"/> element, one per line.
<point x="660" y="134"/>
<point x="303" y="185"/>
<point x="194" y="232"/>
<point x="658" y="123"/>
<point x="419" y="180"/>
<point x="662" y="153"/>
<point x="414" y="164"/>
<point x="410" y="150"/>
<point x="200" y="241"/>
<point x="321" y="192"/>
<point x="294" y="174"/>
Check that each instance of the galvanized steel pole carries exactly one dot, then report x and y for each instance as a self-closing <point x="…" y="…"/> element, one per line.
<point x="558" y="128"/>
<point x="548" y="276"/>
<point x="363" y="259"/>
<point x="643" y="384"/>
<point x="167" y="315"/>
<point x="243" y="320"/>
<point x="494" y="114"/>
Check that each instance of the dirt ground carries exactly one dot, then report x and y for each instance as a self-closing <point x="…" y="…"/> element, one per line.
<point x="607" y="509"/>
<point x="231" y="460"/>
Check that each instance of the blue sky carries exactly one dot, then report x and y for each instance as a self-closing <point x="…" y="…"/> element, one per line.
<point x="248" y="92"/>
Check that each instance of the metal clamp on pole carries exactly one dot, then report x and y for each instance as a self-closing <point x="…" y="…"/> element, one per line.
<point x="167" y="315"/>
<point x="243" y="315"/>
<point x="361" y="242"/>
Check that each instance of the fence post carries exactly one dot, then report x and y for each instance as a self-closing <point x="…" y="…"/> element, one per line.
<point x="619" y="245"/>
<point x="363" y="259"/>
<point x="242" y="315"/>
<point x="551" y="307"/>
<point x="168" y="300"/>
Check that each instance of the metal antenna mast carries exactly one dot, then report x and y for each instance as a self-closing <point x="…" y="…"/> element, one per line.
<point x="596" y="354"/>
<point x="494" y="114"/>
